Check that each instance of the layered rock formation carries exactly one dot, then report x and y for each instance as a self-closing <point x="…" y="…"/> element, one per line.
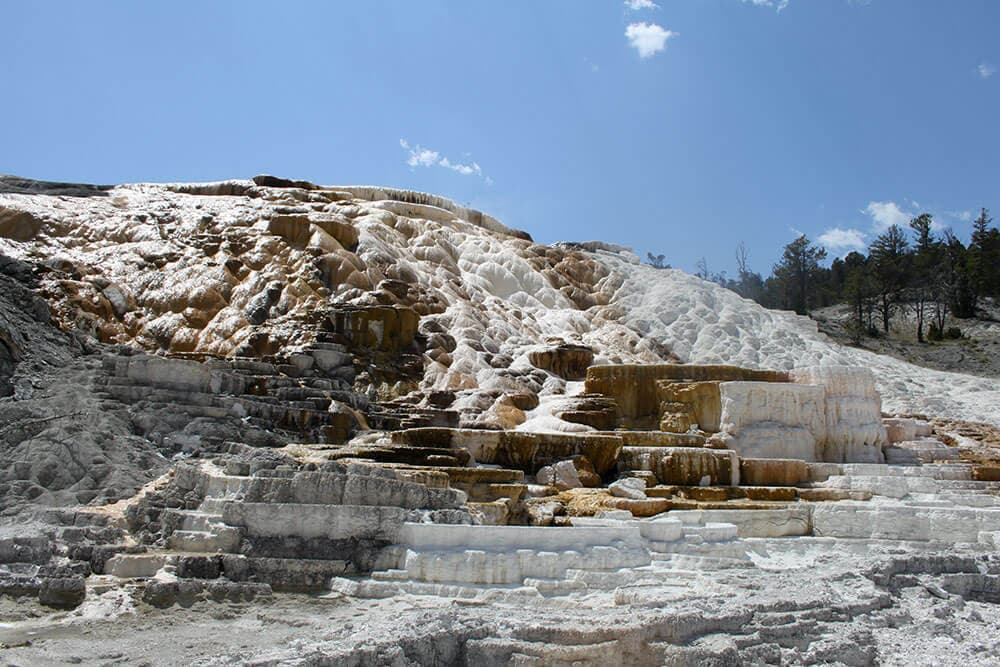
<point x="212" y="392"/>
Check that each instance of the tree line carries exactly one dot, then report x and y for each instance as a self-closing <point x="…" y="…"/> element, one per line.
<point x="920" y="271"/>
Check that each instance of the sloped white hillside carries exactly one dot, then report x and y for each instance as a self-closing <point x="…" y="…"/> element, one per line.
<point x="206" y="268"/>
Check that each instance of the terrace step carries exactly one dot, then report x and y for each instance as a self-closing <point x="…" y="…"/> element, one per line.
<point x="223" y="539"/>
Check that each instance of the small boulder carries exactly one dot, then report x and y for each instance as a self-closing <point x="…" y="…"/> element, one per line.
<point x="633" y="488"/>
<point x="18" y="225"/>
<point x="544" y="513"/>
<point x="62" y="592"/>
<point x="562" y="475"/>
<point x="524" y="400"/>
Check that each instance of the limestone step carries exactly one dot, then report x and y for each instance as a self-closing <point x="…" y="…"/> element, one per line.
<point x="372" y="588"/>
<point x="710" y="532"/>
<point x="445" y="536"/>
<point x="681" y="504"/>
<point x="969" y="485"/>
<point x="822" y="494"/>
<point x="659" y="529"/>
<point x="925" y="450"/>
<point x="201" y="521"/>
<point x="133" y="566"/>
<point x="891" y="486"/>
<point x="553" y="587"/>
<point x="213" y="505"/>
<point x="609" y="580"/>
<point x="901" y="521"/>
<point x="784" y="522"/>
<point x="723" y="493"/>
<point x="476" y="566"/>
<point x="699" y="557"/>
<point x="989" y="538"/>
<point x="932" y="471"/>
<point x="223" y="539"/>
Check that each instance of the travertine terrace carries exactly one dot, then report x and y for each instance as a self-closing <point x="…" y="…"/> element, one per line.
<point x="367" y="403"/>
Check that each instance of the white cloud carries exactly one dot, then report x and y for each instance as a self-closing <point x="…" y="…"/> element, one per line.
<point x="782" y="4"/>
<point x="885" y="214"/>
<point x="986" y="70"/>
<point x="777" y="4"/>
<point x="418" y="156"/>
<point x="842" y="241"/>
<point x="648" y="38"/>
<point x="636" y="5"/>
<point x="465" y="169"/>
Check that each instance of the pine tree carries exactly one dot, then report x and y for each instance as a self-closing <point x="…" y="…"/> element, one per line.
<point x="797" y="272"/>
<point x="924" y="288"/>
<point x="984" y="256"/>
<point x="889" y="263"/>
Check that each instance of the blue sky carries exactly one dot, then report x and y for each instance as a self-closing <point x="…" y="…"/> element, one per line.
<point x="680" y="128"/>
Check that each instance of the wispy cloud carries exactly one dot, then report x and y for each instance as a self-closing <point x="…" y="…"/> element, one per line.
<point x="842" y="241"/>
<point x="777" y="4"/>
<point x="986" y="70"/>
<point x="636" y="5"/>
<point x="418" y="156"/>
<point x="648" y="38"/>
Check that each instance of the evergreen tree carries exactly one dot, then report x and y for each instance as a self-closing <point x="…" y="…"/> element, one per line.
<point x="924" y="291"/>
<point x="889" y="263"/>
<point x="984" y="256"/>
<point x="859" y="291"/>
<point x="957" y="277"/>
<point x="795" y="276"/>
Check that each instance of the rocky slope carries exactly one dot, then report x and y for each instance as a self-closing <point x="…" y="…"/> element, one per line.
<point x="977" y="352"/>
<point x="243" y="268"/>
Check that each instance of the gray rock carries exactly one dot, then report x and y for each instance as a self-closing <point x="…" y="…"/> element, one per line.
<point x="62" y="592"/>
<point x="629" y="487"/>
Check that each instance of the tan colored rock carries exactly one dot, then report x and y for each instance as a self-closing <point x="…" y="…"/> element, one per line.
<point x="530" y="451"/>
<point x="677" y="417"/>
<point x="543" y="512"/>
<point x="524" y="400"/>
<point x="585" y="471"/>
<point x="686" y="466"/>
<point x="493" y="513"/>
<point x="639" y="508"/>
<point x="695" y="403"/>
<point x="634" y="387"/>
<point x="986" y="473"/>
<point x="386" y="328"/>
<point x="568" y="361"/>
<point x="505" y="414"/>
<point x="773" y="472"/>
<point x="18" y="225"/>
